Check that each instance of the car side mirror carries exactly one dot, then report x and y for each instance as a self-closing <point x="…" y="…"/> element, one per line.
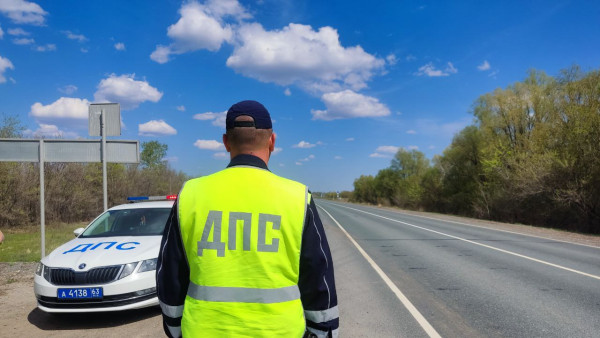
<point x="78" y="231"/>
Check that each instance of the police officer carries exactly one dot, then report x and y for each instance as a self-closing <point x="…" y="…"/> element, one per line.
<point x="244" y="253"/>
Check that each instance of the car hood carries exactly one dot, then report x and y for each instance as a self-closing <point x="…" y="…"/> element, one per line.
<point x="103" y="251"/>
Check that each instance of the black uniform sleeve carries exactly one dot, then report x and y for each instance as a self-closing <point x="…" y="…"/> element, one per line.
<point x="316" y="280"/>
<point x="172" y="276"/>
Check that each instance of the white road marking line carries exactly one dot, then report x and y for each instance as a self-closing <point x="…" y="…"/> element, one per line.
<point x="409" y="306"/>
<point x="488" y="228"/>
<point x="480" y="244"/>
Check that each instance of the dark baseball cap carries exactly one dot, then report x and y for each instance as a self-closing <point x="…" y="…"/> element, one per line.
<point x="260" y="114"/>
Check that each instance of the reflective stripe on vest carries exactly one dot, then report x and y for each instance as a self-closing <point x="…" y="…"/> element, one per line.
<point x="243" y="295"/>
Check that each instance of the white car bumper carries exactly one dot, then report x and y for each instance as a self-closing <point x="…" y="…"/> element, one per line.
<point x="132" y="292"/>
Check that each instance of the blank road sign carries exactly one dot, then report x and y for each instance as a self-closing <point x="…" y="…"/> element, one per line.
<point x="112" y="118"/>
<point x="18" y="150"/>
<point x="117" y="151"/>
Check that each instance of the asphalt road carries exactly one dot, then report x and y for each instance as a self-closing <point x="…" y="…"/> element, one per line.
<point x="456" y="280"/>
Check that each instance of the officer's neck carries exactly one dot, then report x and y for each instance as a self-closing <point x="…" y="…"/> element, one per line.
<point x="263" y="154"/>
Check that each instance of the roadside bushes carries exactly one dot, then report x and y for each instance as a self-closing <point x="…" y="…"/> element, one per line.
<point x="532" y="156"/>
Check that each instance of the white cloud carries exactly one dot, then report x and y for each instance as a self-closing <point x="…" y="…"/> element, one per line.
<point x="297" y="54"/>
<point x="221" y="155"/>
<point x="348" y="104"/>
<point x="484" y="66"/>
<point x="4" y="65"/>
<point x="209" y="145"/>
<point x="63" y="110"/>
<point x="277" y="150"/>
<point x="387" y="149"/>
<point x="1" y="33"/>
<point x="23" y="12"/>
<point x="450" y="69"/>
<point x="47" y="48"/>
<point x="17" y="32"/>
<point x="287" y="92"/>
<point x="218" y="119"/>
<point x="161" y="54"/>
<point x="410" y="57"/>
<point x="49" y="131"/>
<point x="350" y="139"/>
<point x="378" y="155"/>
<point x="223" y="8"/>
<point x="412" y="132"/>
<point x="337" y="157"/>
<point x="23" y="41"/>
<point x="68" y="89"/>
<point x="126" y="91"/>
<point x="119" y="46"/>
<point x="84" y="50"/>
<point x="304" y="145"/>
<point x="391" y="59"/>
<point x="72" y="36"/>
<point x="197" y="29"/>
<point x="156" y="128"/>
<point x="201" y="26"/>
<point x="412" y="147"/>
<point x="430" y="70"/>
<point x="181" y="108"/>
<point x="298" y="163"/>
<point x="306" y="159"/>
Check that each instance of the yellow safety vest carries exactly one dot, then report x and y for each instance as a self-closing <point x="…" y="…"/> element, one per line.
<point x="242" y="232"/>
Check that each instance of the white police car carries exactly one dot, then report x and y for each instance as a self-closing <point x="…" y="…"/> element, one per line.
<point x="111" y="264"/>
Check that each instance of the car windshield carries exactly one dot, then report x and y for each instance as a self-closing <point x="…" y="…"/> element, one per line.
<point x="129" y="222"/>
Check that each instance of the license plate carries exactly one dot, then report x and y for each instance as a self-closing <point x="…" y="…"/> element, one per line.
<point x="79" y="293"/>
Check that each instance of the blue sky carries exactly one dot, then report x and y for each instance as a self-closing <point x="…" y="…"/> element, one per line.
<point x="347" y="82"/>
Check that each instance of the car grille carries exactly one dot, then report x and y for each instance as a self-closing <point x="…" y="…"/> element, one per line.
<point x="60" y="276"/>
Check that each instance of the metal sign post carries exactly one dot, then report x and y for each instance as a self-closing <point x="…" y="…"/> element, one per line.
<point x="99" y="115"/>
<point x="104" y="184"/>
<point x="42" y="200"/>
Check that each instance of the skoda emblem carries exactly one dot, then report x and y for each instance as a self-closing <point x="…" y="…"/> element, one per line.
<point x="81" y="266"/>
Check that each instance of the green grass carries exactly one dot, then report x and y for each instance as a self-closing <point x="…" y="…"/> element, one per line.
<point x="24" y="244"/>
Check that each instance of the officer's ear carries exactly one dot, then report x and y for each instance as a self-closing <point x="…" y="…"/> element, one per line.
<point x="272" y="142"/>
<point x="226" y="143"/>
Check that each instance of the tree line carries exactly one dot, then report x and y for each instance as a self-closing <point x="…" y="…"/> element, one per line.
<point x="73" y="191"/>
<point x="531" y="156"/>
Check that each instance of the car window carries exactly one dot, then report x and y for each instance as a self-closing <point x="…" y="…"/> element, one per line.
<point x="129" y="222"/>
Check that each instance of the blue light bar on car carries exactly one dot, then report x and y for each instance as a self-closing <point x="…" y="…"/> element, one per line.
<point x="137" y="198"/>
<point x="152" y="198"/>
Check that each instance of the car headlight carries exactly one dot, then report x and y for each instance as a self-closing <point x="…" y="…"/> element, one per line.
<point x="127" y="270"/>
<point x="46" y="272"/>
<point x="40" y="269"/>
<point x="148" y="265"/>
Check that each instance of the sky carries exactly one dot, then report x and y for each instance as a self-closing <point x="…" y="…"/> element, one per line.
<point x="347" y="83"/>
